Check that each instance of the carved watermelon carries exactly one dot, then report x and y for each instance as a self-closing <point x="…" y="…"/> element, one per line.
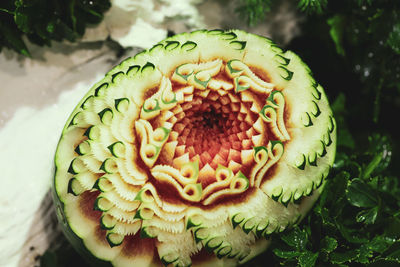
<point x="193" y="152"/>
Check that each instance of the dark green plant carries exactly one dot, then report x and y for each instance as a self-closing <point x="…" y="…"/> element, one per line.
<point x="356" y="220"/>
<point x="43" y="21"/>
<point x="256" y="10"/>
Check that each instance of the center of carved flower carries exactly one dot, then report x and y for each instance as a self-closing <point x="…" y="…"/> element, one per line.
<point x="212" y="130"/>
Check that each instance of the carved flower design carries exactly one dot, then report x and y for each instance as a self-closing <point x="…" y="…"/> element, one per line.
<point x="200" y="146"/>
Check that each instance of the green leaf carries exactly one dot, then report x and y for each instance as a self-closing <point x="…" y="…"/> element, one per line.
<point x="308" y="259"/>
<point x="380" y="243"/>
<point x="286" y="254"/>
<point x="364" y="254"/>
<point x="296" y="238"/>
<point x="328" y="244"/>
<point x="253" y="10"/>
<point x="390" y="185"/>
<point x="72" y="14"/>
<point x="327" y="220"/>
<point x="42" y="21"/>
<point x="383" y="263"/>
<point x="340" y="111"/>
<point x="62" y="30"/>
<point x="50" y="27"/>
<point x="380" y="149"/>
<point x="393" y="40"/>
<point x="339" y="105"/>
<point x="338" y="185"/>
<point x="22" y="20"/>
<point x="360" y="194"/>
<point x="354" y="236"/>
<point x="42" y="32"/>
<point x="343" y="257"/>
<point x="345" y="138"/>
<point x="13" y="38"/>
<point x="312" y="6"/>
<point x="2" y="9"/>
<point x="367" y="216"/>
<point x="337" y="25"/>
<point x="392" y="229"/>
<point x="393" y="252"/>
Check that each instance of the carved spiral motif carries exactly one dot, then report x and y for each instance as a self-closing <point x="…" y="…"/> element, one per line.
<point x="182" y="158"/>
<point x="206" y="133"/>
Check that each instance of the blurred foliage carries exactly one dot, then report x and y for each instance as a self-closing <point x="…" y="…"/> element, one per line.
<point x="253" y="11"/>
<point x="42" y="21"/>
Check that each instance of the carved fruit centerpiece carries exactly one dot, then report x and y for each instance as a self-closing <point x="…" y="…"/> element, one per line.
<point x="193" y="152"/>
